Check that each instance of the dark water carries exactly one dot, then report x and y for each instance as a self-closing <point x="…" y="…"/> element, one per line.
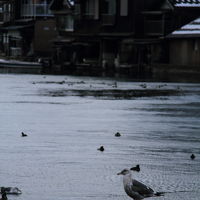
<point x="68" y="118"/>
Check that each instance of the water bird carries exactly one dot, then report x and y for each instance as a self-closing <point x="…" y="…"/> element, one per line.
<point x="101" y="148"/>
<point x="11" y="190"/>
<point x="192" y="156"/>
<point x="61" y="82"/>
<point x="135" y="189"/>
<point x="143" y="85"/>
<point x="4" y="196"/>
<point x="23" y="134"/>
<point x="114" y="85"/>
<point x="117" y="134"/>
<point x="136" y="168"/>
<point x="163" y="85"/>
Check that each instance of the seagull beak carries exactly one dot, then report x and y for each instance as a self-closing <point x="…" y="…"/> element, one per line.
<point x="120" y="173"/>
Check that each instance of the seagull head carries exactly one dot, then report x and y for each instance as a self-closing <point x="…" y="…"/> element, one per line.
<point x="124" y="172"/>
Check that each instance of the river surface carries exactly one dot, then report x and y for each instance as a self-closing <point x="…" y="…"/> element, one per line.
<point x="67" y="118"/>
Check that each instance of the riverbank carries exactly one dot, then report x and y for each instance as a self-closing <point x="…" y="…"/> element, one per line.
<point x="153" y="72"/>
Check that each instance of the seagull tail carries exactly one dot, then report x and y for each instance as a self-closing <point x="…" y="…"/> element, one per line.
<point x="158" y="194"/>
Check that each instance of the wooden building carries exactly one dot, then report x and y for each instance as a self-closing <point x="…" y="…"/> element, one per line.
<point x="100" y="33"/>
<point x="112" y="37"/>
<point x="7" y="15"/>
<point x="118" y="36"/>
<point x="63" y="11"/>
<point x="31" y="29"/>
<point x="184" y="45"/>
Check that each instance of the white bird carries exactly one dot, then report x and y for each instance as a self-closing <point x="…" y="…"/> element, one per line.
<point x="134" y="188"/>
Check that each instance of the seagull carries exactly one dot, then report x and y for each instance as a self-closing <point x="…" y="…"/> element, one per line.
<point x="4" y="196"/>
<point x="135" y="189"/>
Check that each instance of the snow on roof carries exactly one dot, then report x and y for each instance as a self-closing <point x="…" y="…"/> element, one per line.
<point x="191" y="29"/>
<point x="187" y="3"/>
<point x="71" y="2"/>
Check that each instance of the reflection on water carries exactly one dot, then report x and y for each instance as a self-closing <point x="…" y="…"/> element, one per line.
<point x="59" y="158"/>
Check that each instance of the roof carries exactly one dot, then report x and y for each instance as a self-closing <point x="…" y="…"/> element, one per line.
<point x="187" y="3"/>
<point x="61" y="4"/>
<point x="189" y="30"/>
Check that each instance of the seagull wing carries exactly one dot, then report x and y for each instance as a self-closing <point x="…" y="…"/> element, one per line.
<point x="142" y="189"/>
<point x="133" y="194"/>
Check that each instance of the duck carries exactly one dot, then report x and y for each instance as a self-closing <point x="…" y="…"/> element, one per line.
<point x="192" y="156"/>
<point x="101" y="148"/>
<point x="24" y="135"/>
<point x="136" y="168"/>
<point x="143" y="85"/>
<point x="117" y="134"/>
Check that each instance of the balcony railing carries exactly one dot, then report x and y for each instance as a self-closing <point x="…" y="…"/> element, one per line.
<point x="5" y="17"/>
<point x="35" y="10"/>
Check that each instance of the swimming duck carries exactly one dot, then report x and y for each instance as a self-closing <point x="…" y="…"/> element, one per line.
<point x="101" y="148"/>
<point x="192" y="156"/>
<point x="136" y="168"/>
<point x="24" y="135"/>
<point x="117" y="134"/>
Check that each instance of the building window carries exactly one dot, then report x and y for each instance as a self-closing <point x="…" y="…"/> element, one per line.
<point x="65" y="23"/>
<point x="89" y="7"/>
<point x="108" y="12"/>
<point x="34" y="8"/>
<point x="109" y="7"/>
<point x="124" y="8"/>
<point x="92" y="9"/>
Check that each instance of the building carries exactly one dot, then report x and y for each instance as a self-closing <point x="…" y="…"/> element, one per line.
<point x="63" y="11"/>
<point x="97" y="37"/>
<point x="183" y="45"/>
<point x="100" y="31"/>
<point x="117" y="36"/>
<point x="7" y="16"/>
<point x="30" y="30"/>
